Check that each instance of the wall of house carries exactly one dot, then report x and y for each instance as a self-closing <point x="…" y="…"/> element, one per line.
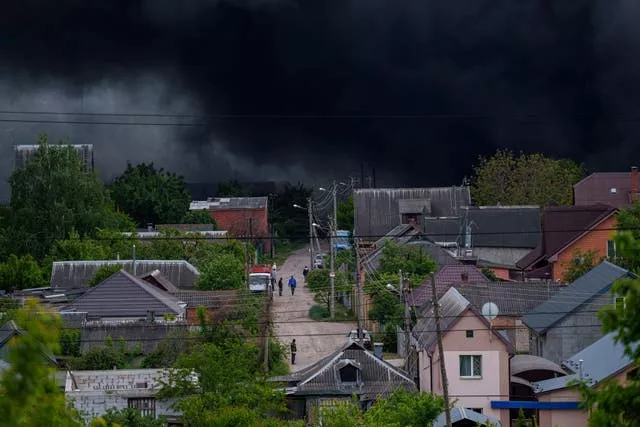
<point x="596" y="240"/>
<point x="149" y="335"/>
<point x="562" y="418"/>
<point x="471" y="393"/>
<point x="576" y="331"/>
<point x="517" y="332"/>
<point x="501" y="273"/>
<point x="236" y="222"/>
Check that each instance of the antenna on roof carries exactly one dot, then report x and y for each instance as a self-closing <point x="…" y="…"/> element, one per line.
<point x="490" y="312"/>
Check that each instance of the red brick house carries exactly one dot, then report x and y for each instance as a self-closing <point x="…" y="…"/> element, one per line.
<point x="617" y="189"/>
<point x="566" y="229"/>
<point x="240" y="217"/>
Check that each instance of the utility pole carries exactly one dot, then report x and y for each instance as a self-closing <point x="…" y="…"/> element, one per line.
<point x="310" y="213"/>
<point x="407" y="317"/>
<point x="332" y="273"/>
<point x="443" y="369"/>
<point x="358" y="288"/>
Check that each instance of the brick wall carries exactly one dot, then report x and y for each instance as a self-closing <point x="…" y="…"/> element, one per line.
<point x="596" y="240"/>
<point x="236" y="223"/>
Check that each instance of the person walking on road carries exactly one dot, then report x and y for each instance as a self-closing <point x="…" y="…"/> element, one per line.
<point x="294" y="350"/>
<point x="292" y="284"/>
<point x="280" y="286"/>
<point x="274" y="270"/>
<point x="305" y="272"/>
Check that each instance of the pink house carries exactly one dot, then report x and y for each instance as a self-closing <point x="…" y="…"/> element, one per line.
<point x="477" y="359"/>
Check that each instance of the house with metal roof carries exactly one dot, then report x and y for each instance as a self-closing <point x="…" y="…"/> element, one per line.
<point x="617" y="189"/>
<point x="10" y="330"/>
<point x="565" y="231"/>
<point x="351" y="370"/>
<point x="476" y="356"/>
<point x="123" y="297"/>
<point x="568" y="321"/>
<point x="377" y="211"/>
<point x="602" y="361"/>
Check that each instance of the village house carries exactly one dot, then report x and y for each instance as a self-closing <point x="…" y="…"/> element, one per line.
<point x="604" y="360"/>
<point x="351" y="370"/>
<point x="493" y="237"/>
<point x="568" y="321"/>
<point x="617" y="189"/>
<point x="567" y="230"/>
<point x="240" y="217"/>
<point x="476" y="357"/>
<point x="94" y="392"/>
<point x="8" y="331"/>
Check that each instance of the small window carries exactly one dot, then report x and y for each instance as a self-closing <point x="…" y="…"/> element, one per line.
<point x="469" y="333"/>
<point x="478" y="410"/>
<point x="146" y="405"/>
<point x="619" y="302"/>
<point x="349" y="374"/>
<point x="613" y="190"/>
<point x="470" y="366"/>
<point x="611" y="249"/>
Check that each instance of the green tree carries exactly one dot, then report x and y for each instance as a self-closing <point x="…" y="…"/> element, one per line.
<point x="288" y="221"/>
<point x="127" y="417"/>
<point x="231" y="188"/>
<point x="345" y="215"/>
<point x="102" y="274"/>
<point x="489" y="274"/>
<point x="51" y="196"/>
<point x="20" y="273"/>
<point x="613" y="404"/>
<point x="150" y="195"/>
<point x="168" y="245"/>
<point x="580" y="264"/>
<point x="78" y="248"/>
<point x="411" y="260"/>
<point x="508" y="179"/>
<point x="29" y="393"/>
<point x="199" y="217"/>
<point x="319" y="282"/>
<point x="221" y="271"/>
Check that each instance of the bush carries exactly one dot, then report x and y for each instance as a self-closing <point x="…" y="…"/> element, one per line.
<point x="319" y="312"/>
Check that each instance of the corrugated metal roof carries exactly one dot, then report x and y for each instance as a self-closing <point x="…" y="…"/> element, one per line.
<point x="564" y="302"/>
<point x="461" y="414"/>
<point x="528" y="362"/>
<point x="600" y="360"/>
<point x="221" y="203"/>
<point x="452" y="305"/>
<point x="76" y="274"/>
<point x="124" y="295"/>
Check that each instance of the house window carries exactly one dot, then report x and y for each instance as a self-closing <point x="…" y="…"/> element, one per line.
<point x="349" y="374"/>
<point x="469" y="333"/>
<point x="470" y="366"/>
<point x="146" y="405"/>
<point x="613" y="190"/>
<point x="611" y="249"/>
<point x="619" y="302"/>
<point x="478" y="410"/>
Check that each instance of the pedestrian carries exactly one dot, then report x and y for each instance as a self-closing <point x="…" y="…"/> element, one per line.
<point x="305" y="272"/>
<point x="292" y="284"/>
<point x="273" y="284"/>
<point x="294" y="350"/>
<point x="274" y="270"/>
<point x="280" y="286"/>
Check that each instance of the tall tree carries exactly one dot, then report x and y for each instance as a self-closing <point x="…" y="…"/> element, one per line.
<point x="29" y="393"/>
<point x="290" y="222"/>
<point x="20" y="273"/>
<point x="345" y="214"/>
<point x="319" y="282"/>
<point x="150" y="195"/>
<point x="526" y="179"/>
<point x="50" y="196"/>
<point x="199" y="217"/>
<point x="231" y="188"/>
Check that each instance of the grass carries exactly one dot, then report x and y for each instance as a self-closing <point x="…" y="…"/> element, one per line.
<point x="320" y="313"/>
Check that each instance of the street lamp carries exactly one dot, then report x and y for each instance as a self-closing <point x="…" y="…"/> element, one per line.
<point x="310" y="214"/>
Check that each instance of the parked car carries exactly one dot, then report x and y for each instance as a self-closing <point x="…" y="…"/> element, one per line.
<point x="318" y="261"/>
<point x="364" y="340"/>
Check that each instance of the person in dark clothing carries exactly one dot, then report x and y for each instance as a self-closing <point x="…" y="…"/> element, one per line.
<point x="280" y="285"/>
<point x="292" y="284"/>
<point x="305" y="272"/>
<point x="273" y="284"/>
<point x="294" y="350"/>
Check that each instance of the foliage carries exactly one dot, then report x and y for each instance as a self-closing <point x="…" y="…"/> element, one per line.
<point x="277" y="356"/>
<point x="345" y="215"/>
<point x="289" y="222"/>
<point x="627" y="238"/>
<point x="489" y="274"/>
<point x="319" y="282"/>
<point x="231" y="188"/>
<point x="199" y="217"/>
<point x="102" y="274"/>
<point x="107" y="356"/>
<point x="70" y="342"/>
<point x="75" y="247"/>
<point x="580" y="264"/>
<point x="401" y="409"/>
<point x="150" y="195"/>
<point x="20" y="273"/>
<point x="347" y="258"/>
<point x="628" y="219"/>
<point x="51" y="196"/>
<point x="612" y="403"/>
<point x="319" y="312"/>
<point x="169" y="349"/>
<point x="168" y="245"/>
<point x="222" y="271"/>
<point x="127" y="417"/>
<point x="411" y="260"/>
<point x="29" y="393"/>
<point x="525" y="179"/>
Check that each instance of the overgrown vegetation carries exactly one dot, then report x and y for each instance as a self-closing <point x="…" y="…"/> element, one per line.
<point x="108" y="356"/>
<point x="581" y="263"/>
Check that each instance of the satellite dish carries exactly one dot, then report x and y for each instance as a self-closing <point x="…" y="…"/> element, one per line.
<point x="490" y="311"/>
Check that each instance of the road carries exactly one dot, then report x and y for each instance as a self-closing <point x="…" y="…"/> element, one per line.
<point x="314" y="339"/>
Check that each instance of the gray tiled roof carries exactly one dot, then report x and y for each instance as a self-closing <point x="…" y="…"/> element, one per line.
<point x="378" y="376"/>
<point x="8" y="331"/>
<point x="461" y="414"/>
<point x="124" y="295"/>
<point x="221" y="203"/>
<point x="564" y="302"/>
<point x="76" y="274"/>
<point x="400" y="235"/>
<point x="600" y="360"/>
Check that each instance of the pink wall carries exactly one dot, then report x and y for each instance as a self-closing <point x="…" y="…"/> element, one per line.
<point x="471" y="393"/>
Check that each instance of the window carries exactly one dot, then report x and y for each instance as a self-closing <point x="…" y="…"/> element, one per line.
<point x="146" y="405"/>
<point x="478" y="410"/>
<point x="349" y="374"/>
<point x="613" y="190"/>
<point x="619" y="302"/>
<point x="469" y="333"/>
<point x="470" y="366"/>
<point x="611" y="249"/>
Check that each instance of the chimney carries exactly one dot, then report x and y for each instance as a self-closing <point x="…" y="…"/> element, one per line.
<point x="377" y="349"/>
<point x="634" y="184"/>
<point x="464" y="277"/>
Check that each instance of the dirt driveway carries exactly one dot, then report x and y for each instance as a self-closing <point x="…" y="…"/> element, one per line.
<point x="291" y="317"/>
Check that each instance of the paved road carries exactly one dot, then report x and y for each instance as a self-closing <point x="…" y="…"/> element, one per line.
<point x="315" y="340"/>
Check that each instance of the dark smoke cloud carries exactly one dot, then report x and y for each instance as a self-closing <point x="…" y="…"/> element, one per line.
<point x="539" y="75"/>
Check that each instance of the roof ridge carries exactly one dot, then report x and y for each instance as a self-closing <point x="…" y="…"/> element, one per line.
<point x="154" y="292"/>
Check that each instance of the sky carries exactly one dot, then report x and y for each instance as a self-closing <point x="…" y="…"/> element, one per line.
<point x="315" y="90"/>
